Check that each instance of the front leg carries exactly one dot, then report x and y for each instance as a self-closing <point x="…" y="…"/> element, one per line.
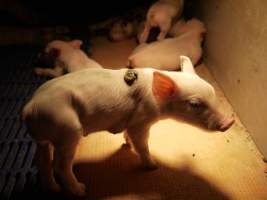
<point x="139" y="138"/>
<point x="55" y="72"/>
<point x="128" y="142"/>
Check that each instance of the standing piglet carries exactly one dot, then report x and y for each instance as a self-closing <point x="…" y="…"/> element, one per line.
<point x="65" y="109"/>
<point x="161" y="14"/>
<point x="164" y="55"/>
<point x="64" y="57"/>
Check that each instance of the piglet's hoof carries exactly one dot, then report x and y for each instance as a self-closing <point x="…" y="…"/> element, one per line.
<point x="55" y="187"/>
<point x="126" y="145"/>
<point x="150" y="166"/>
<point x="79" y="190"/>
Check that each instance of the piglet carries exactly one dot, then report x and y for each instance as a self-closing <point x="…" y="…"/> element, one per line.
<point x="181" y="26"/>
<point x="164" y="55"/>
<point x="161" y="14"/>
<point x="121" y="30"/>
<point x="64" y="57"/>
<point x="65" y="109"/>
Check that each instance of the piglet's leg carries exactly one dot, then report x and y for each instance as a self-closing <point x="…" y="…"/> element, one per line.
<point x="139" y="138"/>
<point x="64" y="155"/>
<point x="57" y="71"/>
<point x="69" y="128"/>
<point x="43" y="160"/>
<point x="128" y="142"/>
<point x="145" y="33"/>
<point x="163" y="31"/>
<point x="162" y="35"/>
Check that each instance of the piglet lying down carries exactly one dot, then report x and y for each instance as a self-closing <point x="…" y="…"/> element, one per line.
<point x="69" y="107"/>
<point x="64" y="57"/>
<point x="165" y="54"/>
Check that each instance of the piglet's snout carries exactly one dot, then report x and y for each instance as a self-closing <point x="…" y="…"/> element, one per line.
<point x="226" y="124"/>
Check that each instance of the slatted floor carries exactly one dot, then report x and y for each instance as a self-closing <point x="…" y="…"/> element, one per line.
<point x="18" y="175"/>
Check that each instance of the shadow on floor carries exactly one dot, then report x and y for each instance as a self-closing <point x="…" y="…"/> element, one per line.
<point x="120" y="177"/>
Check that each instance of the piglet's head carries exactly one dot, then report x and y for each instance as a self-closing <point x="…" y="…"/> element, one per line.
<point x="186" y="96"/>
<point x="48" y="57"/>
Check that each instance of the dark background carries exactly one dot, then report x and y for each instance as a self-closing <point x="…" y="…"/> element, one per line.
<point x="52" y="12"/>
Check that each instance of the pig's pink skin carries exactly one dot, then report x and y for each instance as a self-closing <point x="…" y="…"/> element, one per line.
<point x="181" y="27"/>
<point x="161" y="14"/>
<point x="164" y="55"/>
<point x="64" y="109"/>
<point x="69" y="58"/>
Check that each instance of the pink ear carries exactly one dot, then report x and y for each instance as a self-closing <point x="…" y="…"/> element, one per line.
<point x="186" y="65"/>
<point x="76" y="44"/>
<point x="163" y="87"/>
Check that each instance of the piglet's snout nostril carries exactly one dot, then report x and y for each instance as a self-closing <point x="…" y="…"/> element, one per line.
<point x="226" y="124"/>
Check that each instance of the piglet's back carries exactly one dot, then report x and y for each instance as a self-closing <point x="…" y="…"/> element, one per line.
<point x="87" y="80"/>
<point x="84" y="93"/>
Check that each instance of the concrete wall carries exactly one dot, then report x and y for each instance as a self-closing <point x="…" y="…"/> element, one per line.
<point x="236" y="53"/>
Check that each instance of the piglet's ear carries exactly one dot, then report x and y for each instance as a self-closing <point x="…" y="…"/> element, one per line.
<point x="76" y="44"/>
<point x="186" y="65"/>
<point x="163" y="86"/>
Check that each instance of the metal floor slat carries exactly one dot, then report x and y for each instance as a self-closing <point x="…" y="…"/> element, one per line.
<point x="18" y="175"/>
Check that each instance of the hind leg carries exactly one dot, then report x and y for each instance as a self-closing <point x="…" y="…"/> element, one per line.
<point x="44" y="163"/>
<point x="144" y="35"/>
<point x="162" y="35"/>
<point x="128" y="142"/>
<point x="64" y="155"/>
<point x="164" y="28"/>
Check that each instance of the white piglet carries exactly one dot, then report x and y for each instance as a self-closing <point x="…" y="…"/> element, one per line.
<point x="64" y="57"/>
<point x="161" y="14"/>
<point x="165" y="54"/>
<point x="65" y="109"/>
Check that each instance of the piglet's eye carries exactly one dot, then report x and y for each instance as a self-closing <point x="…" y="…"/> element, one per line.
<point x="195" y="104"/>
